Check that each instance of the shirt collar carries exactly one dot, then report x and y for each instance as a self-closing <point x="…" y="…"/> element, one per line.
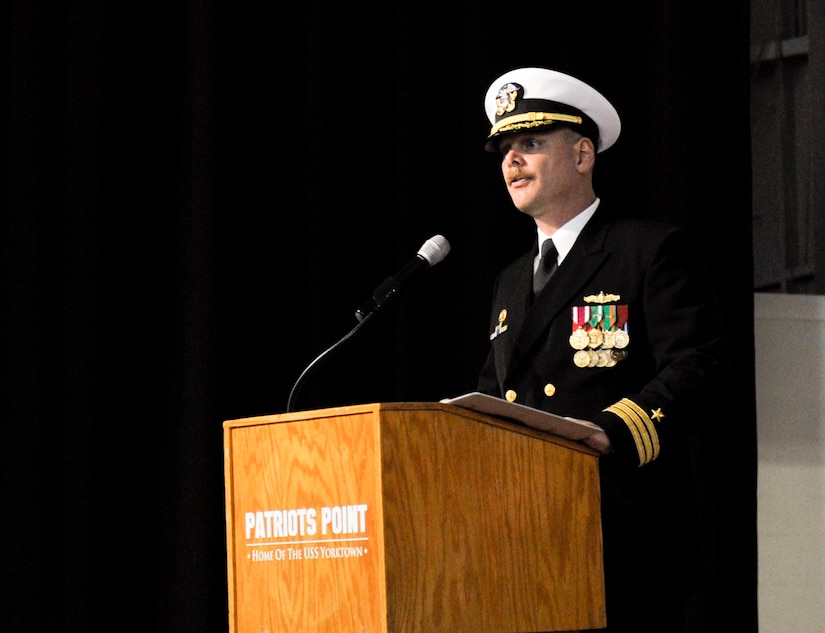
<point x="566" y="235"/>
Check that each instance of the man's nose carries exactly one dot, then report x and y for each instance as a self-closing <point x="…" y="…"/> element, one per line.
<point x="511" y="157"/>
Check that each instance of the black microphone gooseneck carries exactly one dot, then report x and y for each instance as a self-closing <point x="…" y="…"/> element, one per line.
<point x="296" y="387"/>
<point x="431" y="252"/>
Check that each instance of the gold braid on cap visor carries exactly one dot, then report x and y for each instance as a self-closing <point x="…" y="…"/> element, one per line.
<point x="531" y="120"/>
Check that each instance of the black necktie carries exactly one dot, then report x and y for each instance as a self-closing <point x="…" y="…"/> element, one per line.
<point x="547" y="266"/>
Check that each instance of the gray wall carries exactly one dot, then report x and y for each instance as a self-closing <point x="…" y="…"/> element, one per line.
<point x="789" y="335"/>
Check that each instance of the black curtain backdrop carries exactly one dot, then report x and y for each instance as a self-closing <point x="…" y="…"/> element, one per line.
<point x="197" y="195"/>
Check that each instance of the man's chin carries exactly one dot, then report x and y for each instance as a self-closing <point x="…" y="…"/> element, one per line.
<point x="521" y="203"/>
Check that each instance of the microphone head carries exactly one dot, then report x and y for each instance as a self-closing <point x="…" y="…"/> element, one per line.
<point x="434" y="249"/>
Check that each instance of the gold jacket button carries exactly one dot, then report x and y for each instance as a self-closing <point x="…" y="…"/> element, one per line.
<point x="549" y="389"/>
<point x="510" y="395"/>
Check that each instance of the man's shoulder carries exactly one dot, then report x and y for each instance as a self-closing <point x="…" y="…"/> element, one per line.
<point x="621" y="225"/>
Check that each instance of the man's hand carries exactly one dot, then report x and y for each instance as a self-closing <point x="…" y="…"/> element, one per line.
<point x="600" y="442"/>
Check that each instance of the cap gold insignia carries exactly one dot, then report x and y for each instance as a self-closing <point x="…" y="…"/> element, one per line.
<point x="601" y="298"/>
<point x="506" y="98"/>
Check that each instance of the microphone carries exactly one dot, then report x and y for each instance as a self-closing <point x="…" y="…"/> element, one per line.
<point x="431" y="252"/>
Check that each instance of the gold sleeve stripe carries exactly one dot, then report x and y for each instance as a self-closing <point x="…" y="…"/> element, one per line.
<point x="641" y="428"/>
<point x="647" y="430"/>
<point x="636" y="425"/>
<point x="649" y="425"/>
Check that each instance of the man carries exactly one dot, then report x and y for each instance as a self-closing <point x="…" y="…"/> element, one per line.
<point x="625" y="333"/>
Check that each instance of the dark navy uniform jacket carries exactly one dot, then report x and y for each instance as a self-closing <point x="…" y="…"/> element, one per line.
<point x="640" y="285"/>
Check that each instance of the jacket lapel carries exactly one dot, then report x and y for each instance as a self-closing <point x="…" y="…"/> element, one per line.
<point x="576" y="272"/>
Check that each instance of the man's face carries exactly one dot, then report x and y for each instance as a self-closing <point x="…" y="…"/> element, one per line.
<point x="539" y="169"/>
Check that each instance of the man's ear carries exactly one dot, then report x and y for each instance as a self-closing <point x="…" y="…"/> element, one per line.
<point x="586" y="154"/>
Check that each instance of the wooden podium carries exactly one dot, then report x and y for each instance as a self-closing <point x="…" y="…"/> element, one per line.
<point x="409" y="518"/>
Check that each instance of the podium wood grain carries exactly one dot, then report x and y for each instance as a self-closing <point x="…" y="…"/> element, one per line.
<point x="473" y="524"/>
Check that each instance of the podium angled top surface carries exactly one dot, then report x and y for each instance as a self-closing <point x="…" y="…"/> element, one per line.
<point x="376" y="408"/>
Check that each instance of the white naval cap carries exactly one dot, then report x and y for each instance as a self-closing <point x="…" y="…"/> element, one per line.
<point x="530" y="98"/>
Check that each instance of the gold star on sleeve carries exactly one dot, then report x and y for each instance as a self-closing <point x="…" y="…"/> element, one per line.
<point x="657" y="414"/>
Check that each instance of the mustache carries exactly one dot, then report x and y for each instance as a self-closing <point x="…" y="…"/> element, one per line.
<point x="517" y="173"/>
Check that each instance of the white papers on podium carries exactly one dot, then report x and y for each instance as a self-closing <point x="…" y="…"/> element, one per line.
<point x="570" y="428"/>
